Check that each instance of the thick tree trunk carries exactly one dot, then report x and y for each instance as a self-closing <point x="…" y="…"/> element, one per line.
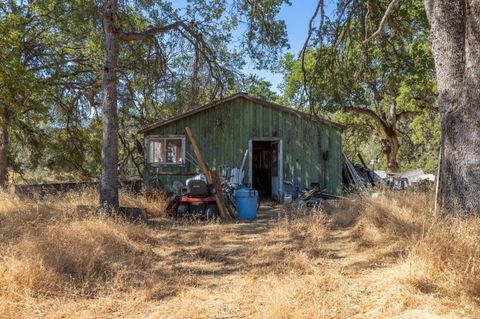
<point x="109" y="180"/>
<point x="4" y="141"/>
<point x="455" y="40"/>
<point x="393" y="153"/>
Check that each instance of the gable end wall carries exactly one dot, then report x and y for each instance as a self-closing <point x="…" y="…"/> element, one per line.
<point x="223" y="133"/>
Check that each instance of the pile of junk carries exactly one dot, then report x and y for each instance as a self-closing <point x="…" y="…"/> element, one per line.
<point x="314" y="196"/>
<point x="196" y="199"/>
<point x="357" y="178"/>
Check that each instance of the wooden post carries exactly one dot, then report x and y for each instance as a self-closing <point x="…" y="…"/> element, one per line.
<point x="211" y="176"/>
<point x="438" y="181"/>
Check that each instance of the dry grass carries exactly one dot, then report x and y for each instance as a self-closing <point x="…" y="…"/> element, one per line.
<point x="387" y="257"/>
<point x="408" y="263"/>
<point x="443" y="251"/>
<point x="447" y="258"/>
<point x="50" y="249"/>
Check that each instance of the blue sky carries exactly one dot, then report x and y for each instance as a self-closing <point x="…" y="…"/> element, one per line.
<point x="296" y="17"/>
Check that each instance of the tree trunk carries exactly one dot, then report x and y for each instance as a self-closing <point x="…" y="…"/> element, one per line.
<point x="193" y="98"/>
<point x="390" y="143"/>
<point x="4" y="140"/>
<point x="394" y="145"/>
<point x="109" y="180"/>
<point x="455" y="41"/>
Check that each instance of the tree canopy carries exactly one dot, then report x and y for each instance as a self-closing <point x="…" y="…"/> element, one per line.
<point x="367" y="64"/>
<point x="51" y="79"/>
<point x="385" y="87"/>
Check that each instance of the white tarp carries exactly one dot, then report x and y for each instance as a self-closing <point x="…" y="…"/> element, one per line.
<point x="415" y="176"/>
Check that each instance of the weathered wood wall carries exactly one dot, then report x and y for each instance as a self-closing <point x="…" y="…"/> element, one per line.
<point x="223" y="133"/>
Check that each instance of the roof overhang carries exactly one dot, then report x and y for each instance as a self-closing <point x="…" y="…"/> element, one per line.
<point x="279" y="107"/>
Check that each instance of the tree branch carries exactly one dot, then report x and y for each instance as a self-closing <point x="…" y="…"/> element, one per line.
<point x="193" y="37"/>
<point x="150" y="32"/>
<point x="406" y="113"/>
<point x="369" y="113"/>
<point x="318" y="9"/>
<point x="383" y="22"/>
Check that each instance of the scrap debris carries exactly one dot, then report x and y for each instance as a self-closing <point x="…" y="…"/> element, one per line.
<point x="315" y="197"/>
<point x="352" y="180"/>
<point x="412" y="178"/>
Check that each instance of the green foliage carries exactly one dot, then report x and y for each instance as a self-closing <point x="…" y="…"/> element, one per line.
<point x="389" y="80"/>
<point x="264" y="33"/>
<point x="424" y="134"/>
<point x="260" y="88"/>
<point x="51" y="60"/>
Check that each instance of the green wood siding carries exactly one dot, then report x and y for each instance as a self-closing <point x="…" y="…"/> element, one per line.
<point x="223" y="133"/>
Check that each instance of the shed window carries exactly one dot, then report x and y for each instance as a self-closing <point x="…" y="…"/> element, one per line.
<point x="166" y="150"/>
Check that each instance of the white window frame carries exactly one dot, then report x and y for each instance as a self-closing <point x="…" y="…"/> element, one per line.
<point x="164" y="138"/>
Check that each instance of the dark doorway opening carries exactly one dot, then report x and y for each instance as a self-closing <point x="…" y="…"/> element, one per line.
<point x="264" y="167"/>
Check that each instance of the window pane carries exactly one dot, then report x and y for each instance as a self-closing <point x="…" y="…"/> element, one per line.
<point x="165" y="150"/>
<point x="156" y="151"/>
<point x="174" y="151"/>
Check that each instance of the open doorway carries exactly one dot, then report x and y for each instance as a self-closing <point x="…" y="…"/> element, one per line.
<point x="266" y="167"/>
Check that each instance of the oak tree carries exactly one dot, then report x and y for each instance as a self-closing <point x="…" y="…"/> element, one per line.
<point x="264" y="32"/>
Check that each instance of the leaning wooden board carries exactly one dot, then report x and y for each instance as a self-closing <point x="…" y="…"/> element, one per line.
<point x="218" y="189"/>
<point x="211" y="176"/>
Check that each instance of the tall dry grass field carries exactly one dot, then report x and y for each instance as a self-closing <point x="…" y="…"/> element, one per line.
<point x="50" y="250"/>
<point x="443" y="251"/>
<point x="385" y="257"/>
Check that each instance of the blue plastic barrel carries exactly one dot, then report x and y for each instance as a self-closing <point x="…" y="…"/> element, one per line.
<point x="246" y="200"/>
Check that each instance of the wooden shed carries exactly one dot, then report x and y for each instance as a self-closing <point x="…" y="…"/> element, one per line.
<point x="285" y="147"/>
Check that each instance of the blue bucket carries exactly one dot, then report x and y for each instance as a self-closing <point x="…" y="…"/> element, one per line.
<point x="246" y="200"/>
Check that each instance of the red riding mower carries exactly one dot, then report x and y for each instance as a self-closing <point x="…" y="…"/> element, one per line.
<point x="196" y="202"/>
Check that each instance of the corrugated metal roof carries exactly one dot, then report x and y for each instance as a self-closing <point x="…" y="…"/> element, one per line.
<point x="247" y="97"/>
